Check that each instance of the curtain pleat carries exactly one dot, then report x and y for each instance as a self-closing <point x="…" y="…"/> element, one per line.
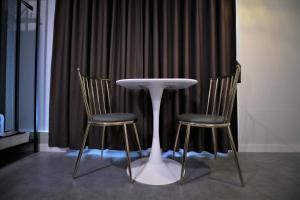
<point x="139" y="39"/>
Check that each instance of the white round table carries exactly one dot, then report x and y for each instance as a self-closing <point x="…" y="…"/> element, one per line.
<point x="156" y="170"/>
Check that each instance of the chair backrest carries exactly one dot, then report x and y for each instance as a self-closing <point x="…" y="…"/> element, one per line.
<point x="96" y="94"/>
<point x="221" y="95"/>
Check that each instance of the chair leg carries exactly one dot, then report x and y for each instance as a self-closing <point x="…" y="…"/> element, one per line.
<point x="235" y="156"/>
<point x="214" y="141"/>
<point x="81" y="150"/>
<point x="176" y="139"/>
<point x="102" y="141"/>
<point x="137" y="139"/>
<point x="186" y="144"/>
<point x="127" y="153"/>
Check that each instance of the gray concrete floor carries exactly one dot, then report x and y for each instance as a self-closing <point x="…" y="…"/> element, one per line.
<point x="48" y="176"/>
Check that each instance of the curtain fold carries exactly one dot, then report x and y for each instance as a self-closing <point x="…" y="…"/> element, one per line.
<point x="139" y="39"/>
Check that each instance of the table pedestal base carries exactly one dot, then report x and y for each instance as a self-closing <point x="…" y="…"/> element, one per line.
<point x="163" y="173"/>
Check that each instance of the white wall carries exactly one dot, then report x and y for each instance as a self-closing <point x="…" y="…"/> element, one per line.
<point x="268" y="48"/>
<point x="44" y="63"/>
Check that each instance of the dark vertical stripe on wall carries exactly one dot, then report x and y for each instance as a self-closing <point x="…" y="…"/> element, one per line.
<point x="37" y="34"/>
<point x="17" y="67"/>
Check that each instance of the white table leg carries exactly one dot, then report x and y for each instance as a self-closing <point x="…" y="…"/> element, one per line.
<point x="156" y="170"/>
<point x="156" y="94"/>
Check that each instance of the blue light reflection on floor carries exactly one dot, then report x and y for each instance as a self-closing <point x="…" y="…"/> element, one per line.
<point x="121" y="154"/>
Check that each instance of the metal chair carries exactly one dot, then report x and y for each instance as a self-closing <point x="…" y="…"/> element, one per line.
<point x="219" y="107"/>
<point x="97" y="100"/>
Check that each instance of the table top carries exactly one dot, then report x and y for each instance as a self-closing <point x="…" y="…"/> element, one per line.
<point x="168" y="83"/>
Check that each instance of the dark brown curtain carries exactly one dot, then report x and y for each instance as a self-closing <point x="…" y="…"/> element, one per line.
<point x="139" y="39"/>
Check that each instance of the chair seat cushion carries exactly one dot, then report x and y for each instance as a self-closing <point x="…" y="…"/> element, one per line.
<point x="114" y="117"/>
<point x="201" y="118"/>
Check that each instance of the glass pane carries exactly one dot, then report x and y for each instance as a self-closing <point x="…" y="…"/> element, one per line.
<point x="27" y="67"/>
<point x="10" y="66"/>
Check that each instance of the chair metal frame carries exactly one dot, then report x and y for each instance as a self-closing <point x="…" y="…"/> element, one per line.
<point x="96" y="94"/>
<point x="220" y="103"/>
